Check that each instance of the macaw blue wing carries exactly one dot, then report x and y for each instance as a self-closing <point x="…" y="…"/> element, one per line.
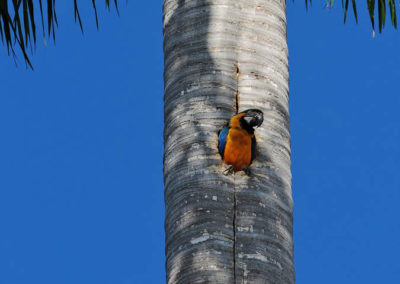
<point x="253" y="148"/>
<point x="222" y="140"/>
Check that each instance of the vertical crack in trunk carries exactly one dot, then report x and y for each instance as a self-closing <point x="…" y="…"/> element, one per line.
<point x="237" y="101"/>
<point x="237" y="97"/>
<point x="234" y="231"/>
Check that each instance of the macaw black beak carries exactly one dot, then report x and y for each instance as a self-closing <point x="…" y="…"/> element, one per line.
<point x="260" y="120"/>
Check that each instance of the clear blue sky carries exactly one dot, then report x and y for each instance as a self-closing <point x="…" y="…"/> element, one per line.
<point x="81" y="192"/>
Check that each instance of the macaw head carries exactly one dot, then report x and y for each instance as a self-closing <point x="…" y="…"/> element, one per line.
<point x="252" y="118"/>
<point x="247" y="120"/>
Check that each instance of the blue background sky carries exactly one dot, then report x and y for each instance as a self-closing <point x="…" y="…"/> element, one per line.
<point x="81" y="192"/>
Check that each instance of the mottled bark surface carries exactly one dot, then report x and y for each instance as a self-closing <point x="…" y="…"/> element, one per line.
<point x="221" y="57"/>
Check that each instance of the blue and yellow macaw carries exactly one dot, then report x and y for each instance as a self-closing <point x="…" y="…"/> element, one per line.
<point x="236" y="141"/>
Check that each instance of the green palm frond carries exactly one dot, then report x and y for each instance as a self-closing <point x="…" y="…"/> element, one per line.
<point x="382" y="4"/>
<point x="18" y="27"/>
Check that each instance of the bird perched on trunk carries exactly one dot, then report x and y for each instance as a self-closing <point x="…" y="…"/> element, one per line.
<point x="236" y="141"/>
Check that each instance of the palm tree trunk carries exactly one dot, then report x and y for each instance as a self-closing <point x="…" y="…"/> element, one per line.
<point x="221" y="57"/>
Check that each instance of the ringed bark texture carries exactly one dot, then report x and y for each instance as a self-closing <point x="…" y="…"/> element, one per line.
<point x="221" y="57"/>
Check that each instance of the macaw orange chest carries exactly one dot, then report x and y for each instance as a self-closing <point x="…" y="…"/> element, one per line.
<point x="238" y="148"/>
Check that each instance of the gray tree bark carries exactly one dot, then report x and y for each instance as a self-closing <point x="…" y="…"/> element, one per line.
<point x="221" y="57"/>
